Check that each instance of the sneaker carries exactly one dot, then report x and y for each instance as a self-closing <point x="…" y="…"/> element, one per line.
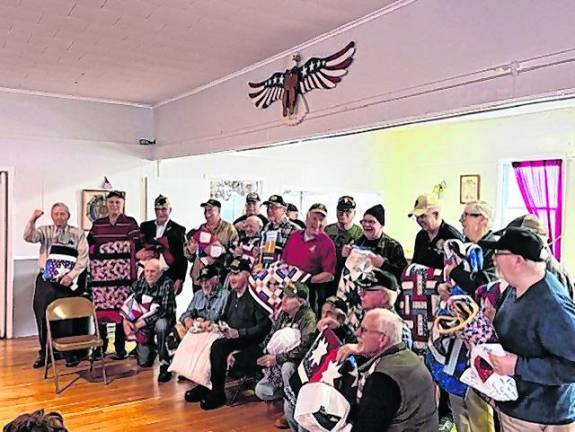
<point x="196" y="394"/>
<point x="164" y="375"/>
<point x="213" y="401"/>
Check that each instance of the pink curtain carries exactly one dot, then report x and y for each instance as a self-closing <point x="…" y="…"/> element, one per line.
<point x="541" y="186"/>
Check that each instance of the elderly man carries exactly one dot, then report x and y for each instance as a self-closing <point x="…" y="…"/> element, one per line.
<point x="296" y="314"/>
<point x="248" y="325"/>
<point x="160" y="288"/>
<point x="252" y="208"/>
<point x="535" y="322"/>
<point x="396" y="392"/>
<point x="275" y="234"/>
<point x="164" y="239"/>
<point x="312" y="251"/>
<point x="208" y="303"/>
<point x="47" y="289"/>
<point x="344" y="231"/>
<point x="387" y="253"/>
<point x="225" y="234"/>
<point x="428" y="249"/>
<point x="293" y="215"/>
<point x="476" y="220"/>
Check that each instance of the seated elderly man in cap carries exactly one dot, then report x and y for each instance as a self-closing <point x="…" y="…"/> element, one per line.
<point x="428" y="249"/>
<point x="211" y="242"/>
<point x="157" y="325"/>
<point x="312" y="251"/>
<point x="289" y="339"/>
<point x="248" y="324"/>
<point x="277" y="231"/>
<point x="252" y="208"/>
<point x="535" y="322"/>
<point x="208" y="303"/>
<point x="396" y="391"/>
<point x="164" y="239"/>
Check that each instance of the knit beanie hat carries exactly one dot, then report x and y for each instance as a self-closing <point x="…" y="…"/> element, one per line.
<point x="377" y="212"/>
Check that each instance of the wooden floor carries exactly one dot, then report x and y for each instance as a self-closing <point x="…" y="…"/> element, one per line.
<point x="128" y="403"/>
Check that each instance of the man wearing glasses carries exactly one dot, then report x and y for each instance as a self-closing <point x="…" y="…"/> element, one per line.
<point x="476" y="220"/>
<point x="395" y="391"/>
<point x="535" y="322"/>
<point x="428" y="249"/>
<point x="164" y="239"/>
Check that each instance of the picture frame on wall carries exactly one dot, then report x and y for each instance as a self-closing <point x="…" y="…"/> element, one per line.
<point x="469" y="188"/>
<point x="93" y="206"/>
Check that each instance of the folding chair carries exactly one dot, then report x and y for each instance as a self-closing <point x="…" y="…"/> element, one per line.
<point x="71" y="308"/>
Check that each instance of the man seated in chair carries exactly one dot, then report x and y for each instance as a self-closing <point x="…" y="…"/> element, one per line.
<point x="248" y="325"/>
<point x="157" y="325"/>
<point x="296" y="314"/>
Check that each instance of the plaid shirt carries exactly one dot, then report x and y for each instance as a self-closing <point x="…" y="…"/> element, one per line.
<point x="163" y="294"/>
<point x="285" y="228"/>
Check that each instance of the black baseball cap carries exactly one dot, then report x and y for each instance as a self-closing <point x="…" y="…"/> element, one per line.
<point x="527" y="221"/>
<point x="239" y="265"/>
<point x="252" y="197"/>
<point x="116" y="194"/>
<point x="208" y="272"/>
<point x="519" y="241"/>
<point x="339" y="304"/>
<point x="212" y="202"/>
<point x="291" y="207"/>
<point x="318" y="208"/>
<point x="377" y="279"/>
<point x="275" y="200"/>
<point x="345" y="202"/>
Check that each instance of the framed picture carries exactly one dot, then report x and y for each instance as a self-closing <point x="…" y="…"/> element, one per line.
<point x="93" y="206"/>
<point x="469" y="186"/>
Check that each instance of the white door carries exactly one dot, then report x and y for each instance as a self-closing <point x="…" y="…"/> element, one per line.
<point x="3" y="253"/>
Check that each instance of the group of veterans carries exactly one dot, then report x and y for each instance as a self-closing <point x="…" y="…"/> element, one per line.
<point x="119" y="261"/>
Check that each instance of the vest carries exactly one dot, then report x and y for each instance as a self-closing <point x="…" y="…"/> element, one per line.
<point x="418" y="411"/>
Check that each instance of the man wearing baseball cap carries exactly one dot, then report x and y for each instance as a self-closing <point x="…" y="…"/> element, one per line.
<point x="248" y="324"/>
<point x="295" y="313"/>
<point x="312" y="251"/>
<point x="535" y="322"/>
<point x="225" y="233"/>
<point x="344" y="231"/>
<point x="293" y="214"/>
<point x="276" y="232"/>
<point x="428" y="249"/>
<point x="252" y="208"/>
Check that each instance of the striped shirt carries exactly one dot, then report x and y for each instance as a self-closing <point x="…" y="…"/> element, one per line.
<point x="48" y="235"/>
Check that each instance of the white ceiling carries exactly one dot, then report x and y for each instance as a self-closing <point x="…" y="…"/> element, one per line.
<point x="147" y="51"/>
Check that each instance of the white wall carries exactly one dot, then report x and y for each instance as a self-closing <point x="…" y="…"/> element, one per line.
<point x="427" y="58"/>
<point x="57" y="147"/>
<point x="398" y="164"/>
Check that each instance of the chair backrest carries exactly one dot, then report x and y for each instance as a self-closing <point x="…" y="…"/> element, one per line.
<point x="69" y="308"/>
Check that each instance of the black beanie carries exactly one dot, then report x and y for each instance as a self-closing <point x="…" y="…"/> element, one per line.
<point x="377" y="212"/>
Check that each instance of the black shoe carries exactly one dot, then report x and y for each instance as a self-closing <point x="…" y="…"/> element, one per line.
<point x="122" y="355"/>
<point x="213" y="401"/>
<point x="164" y="375"/>
<point x="196" y="394"/>
<point x="72" y="361"/>
<point x="182" y="378"/>
<point x="40" y="362"/>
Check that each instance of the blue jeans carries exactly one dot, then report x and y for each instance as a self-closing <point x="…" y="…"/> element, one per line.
<point x="146" y="353"/>
<point x="266" y="390"/>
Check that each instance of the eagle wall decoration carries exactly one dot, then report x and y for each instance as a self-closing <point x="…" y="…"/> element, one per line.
<point x="291" y="85"/>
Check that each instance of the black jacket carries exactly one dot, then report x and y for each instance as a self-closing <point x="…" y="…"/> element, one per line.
<point x="176" y="236"/>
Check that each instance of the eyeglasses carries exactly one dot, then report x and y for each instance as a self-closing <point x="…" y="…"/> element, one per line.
<point x="368" y="222"/>
<point x="362" y="330"/>
<point x="466" y="215"/>
<point x="341" y="212"/>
